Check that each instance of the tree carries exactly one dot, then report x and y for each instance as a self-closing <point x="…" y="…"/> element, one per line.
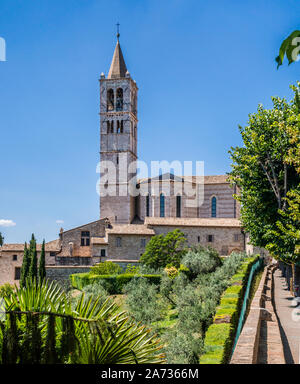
<point x="33" y="269"/>
<point x="42" y="264"/>
<point x="265" y="171"/>
<point x="1" y="240"/>
<point x="25" y="266"/>
<point x="162" y="250"/>
<point x="289" y="48"/>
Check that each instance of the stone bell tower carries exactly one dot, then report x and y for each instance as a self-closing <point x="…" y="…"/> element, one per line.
<point x="118" y="136"/>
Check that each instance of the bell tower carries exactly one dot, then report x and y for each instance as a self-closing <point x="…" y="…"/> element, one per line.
<point x="118" y="140"/>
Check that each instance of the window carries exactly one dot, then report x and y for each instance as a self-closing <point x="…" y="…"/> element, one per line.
<point x="214" y="207"/>
<point x="148" y="205"/>
<point x="15" y="257"/>
<point x="110" y="100"/>
<point x="236" y="237"/>
<point x="143" y="243"/>
<point x="102" y="253"/>
<point x="52" y="254"/>
<point x="17" y="273"/>
<point x="198" y="238"/>
<point x="119" y="103"/>
<point x="85" y="238"/>
<point x="162" y="205"/>
<point x="118" y="242"/>
<point x="178" y="206"/>
<point x="210" y="238"/>
<point x="122" y="126"/>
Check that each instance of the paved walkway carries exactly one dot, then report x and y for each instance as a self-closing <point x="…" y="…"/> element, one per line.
<point x="286" y="311"/>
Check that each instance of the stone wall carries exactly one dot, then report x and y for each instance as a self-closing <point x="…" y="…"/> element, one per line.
<point x="61" y="274"/>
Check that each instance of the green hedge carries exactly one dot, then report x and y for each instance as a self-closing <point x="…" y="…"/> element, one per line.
<point x="219" y="337"/>
<point x="112" y="283"/>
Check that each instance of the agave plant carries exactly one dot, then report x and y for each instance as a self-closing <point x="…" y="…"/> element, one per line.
<point x="42" y="326"/>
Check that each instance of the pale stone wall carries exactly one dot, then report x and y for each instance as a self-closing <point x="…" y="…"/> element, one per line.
<point x="8" y="266"/>
<point x="131" y="247"/>
<point x="223" y="238"/>
<point x="227" y="206"/>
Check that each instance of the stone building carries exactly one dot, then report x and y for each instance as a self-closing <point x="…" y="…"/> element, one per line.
<point x="128" y="219"/>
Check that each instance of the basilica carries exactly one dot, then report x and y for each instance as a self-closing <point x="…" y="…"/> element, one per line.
<point x="127" y="221"/>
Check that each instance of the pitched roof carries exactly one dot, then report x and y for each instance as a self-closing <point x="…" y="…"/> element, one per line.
<point x="50" y="246"/>
<point x="193" y="222"/>
<point x="212" y="179"/>
<point x="130" y="229"/>
<point x="118" y="67"/>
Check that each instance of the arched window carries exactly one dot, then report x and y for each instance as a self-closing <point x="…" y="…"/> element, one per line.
<point x="112" y="126"/>
<point x="110" y="100"/>
<point x="162" y="205"/>
<point x="118" y="126"/>
<point x="108" y="126"/>
<point x="178" y="206"/>
<point x="148" y="205"/>
<point x="214" y="207"/>
<point x="122" y="127"/>
<point x="119" y="103"/>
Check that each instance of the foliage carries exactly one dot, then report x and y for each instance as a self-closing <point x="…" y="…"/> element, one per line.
<point x="201" y="260"/>
<point x="96" y="291"/>
<point x="42" y="264"/>
<point x="113" y="284"/>
<point x="132" y="269"/>
<point x="41" y="326"/>
<point x="289" y="48"/>
<point x="265" y="170"/>
<point x="142" y="301"/>
<point x="1" y="240"/>
<point x="106" y="268"/>
<point x="164" y="249"/>
<point x="171" y="271"/>
<point x="220" y="335"/>
<point x="25" y="266"/>
<point x="33" y="268"/>
<point x="6" y="290"/>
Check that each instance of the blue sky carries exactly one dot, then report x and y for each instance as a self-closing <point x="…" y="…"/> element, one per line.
<point x="201" y="68"/>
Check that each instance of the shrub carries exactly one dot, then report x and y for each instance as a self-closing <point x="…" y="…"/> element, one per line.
<point x="201" y="260"/>
<point x="113" y="284"/>
<point x="96" y="291"/>
<point x="171" y="271"/>
<point x="132" y="269"/>
<point x="164" y="249"/>
<point x="142" y="301"/>
<point x="106" y="268"/>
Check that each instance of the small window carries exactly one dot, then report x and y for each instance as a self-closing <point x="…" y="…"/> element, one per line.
<point x="143" y="243"/>
<point x="118" y="242"/>
<point x="214" y="207"/>
<point x="210" y="238"/>
<point x="110" y="100"/>
<point x="15" y="257"/>
<point x="198" y="238"/>
<point x="122" y="127"/>
<point x="119" y="104"/>
<point x="85" y="238"/>
<point x="236" y="237"/>
<point x="52" y="254"/>
<point x="148" y="205"/>
<point x="102" y="253"/>
<point x="162" y="205"/>
<point x="17" y="273"/>
<point x="178" y="206"/>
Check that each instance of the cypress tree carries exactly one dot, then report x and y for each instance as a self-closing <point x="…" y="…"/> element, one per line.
<point x="25" y="266"/>
<point x="1" y="240"/>
<point x="33" y="270"/>
<point x="42" y="267"/>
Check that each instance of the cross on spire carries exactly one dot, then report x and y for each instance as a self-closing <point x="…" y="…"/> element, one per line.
<point x="118" y="30"/>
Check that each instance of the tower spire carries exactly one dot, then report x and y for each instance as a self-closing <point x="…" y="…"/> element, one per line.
<point x="118" y="67"/>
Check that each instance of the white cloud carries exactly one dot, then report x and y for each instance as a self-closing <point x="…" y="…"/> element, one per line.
<point x="7" y="223"/>
<point x="59" y="221"/>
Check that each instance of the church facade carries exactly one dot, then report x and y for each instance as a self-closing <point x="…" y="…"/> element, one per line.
<point x="128" y="220"/>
